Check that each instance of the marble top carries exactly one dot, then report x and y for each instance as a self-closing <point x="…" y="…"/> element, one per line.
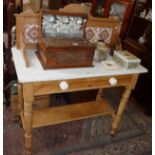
<point x="36" y="73"/>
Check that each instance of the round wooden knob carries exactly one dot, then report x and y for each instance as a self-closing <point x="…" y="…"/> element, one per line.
<point x="64" y="85"/>
<point x="113" y="81"/>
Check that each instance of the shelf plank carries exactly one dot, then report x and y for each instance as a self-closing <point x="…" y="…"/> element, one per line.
<point x="142" y="18"/>
<point x="62" y="114"/>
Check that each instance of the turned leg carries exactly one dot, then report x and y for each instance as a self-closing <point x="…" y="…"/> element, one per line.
<point x="28" y="100"/>
<point x="99" y="95"/>
<point x="20" y="98"/>
<point x="121" y="108"/>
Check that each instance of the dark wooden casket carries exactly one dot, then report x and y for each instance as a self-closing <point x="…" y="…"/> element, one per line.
<point x="62" y="41"/>
<point x="60" y="53"/>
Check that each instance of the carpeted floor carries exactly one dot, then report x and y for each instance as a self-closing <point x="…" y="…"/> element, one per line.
<point x="85" y="137"/>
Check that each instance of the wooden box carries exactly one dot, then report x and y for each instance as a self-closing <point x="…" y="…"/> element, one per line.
<point x="126" y="59"/>
<point x="60" y="53"/>
<point x="62" y="40"/>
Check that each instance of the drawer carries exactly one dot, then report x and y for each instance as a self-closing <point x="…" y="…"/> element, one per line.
<point x="59" y="86"/>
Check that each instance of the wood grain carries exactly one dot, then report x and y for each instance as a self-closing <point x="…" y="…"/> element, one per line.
<point x="20" y="97"/>
<point x="41" y="88"/>
<point x="105" y="23"/>
<point x="99" y="95"/>
<point x="28" y="101"/>
<point x="22" y="19"/>
<point x="56" y="115"/>
<point x="121" y="108"/>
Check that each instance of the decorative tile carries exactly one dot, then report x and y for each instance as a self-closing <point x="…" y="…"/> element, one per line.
<point x="93" y="34"/>
<point x="31" y="33"/>
<point x="90" y="34"/>
<point x="105" y="34"/>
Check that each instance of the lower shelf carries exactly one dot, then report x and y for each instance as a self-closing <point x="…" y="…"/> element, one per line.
<point x="57" y="115"/>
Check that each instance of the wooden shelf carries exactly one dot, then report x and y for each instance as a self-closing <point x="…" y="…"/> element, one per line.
<point x="142" y="18"/>
<point x="134" y="43"/>
<point x="57" y="115"/>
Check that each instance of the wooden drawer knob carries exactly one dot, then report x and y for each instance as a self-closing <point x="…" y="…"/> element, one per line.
<point x="112" y="81"/>
<point x="63" y="85"/>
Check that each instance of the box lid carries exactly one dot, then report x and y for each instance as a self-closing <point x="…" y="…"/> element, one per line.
<point x="126" y="56"/>
<point x="64" y="43"/>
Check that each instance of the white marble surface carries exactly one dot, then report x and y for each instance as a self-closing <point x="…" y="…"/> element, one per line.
<point x="36" y="73"/>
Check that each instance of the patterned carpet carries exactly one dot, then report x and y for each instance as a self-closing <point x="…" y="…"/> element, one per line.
<point x="86" y="137"/>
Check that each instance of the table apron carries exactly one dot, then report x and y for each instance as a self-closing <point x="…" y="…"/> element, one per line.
<point x="49" y="87"/>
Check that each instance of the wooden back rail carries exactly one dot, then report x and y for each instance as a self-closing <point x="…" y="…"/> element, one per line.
<point x="111" y="22"/>
<point x="36" y="18"/>
<point x="74" y="8"/>
<point x="21" y="20"/>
